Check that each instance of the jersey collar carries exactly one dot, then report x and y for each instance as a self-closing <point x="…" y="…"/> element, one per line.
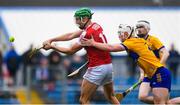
<point x="89" y="25"/>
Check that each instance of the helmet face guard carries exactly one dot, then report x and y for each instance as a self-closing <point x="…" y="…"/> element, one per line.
<point x="142" y="24"/>
<point x="125" y="30"/>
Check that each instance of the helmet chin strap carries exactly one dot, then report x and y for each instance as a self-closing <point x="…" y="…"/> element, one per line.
<point x="85" y="23"/>
<point x="131" y="33"/>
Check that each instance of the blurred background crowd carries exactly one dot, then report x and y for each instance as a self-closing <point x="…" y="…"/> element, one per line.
<point x="47" y="74"/>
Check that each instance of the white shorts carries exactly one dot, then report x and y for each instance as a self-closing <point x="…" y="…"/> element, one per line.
<point x="99" y="75"/>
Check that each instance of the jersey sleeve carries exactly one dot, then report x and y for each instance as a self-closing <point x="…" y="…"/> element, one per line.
<point x="94" y="31"/>
<point x="157" y="43"/>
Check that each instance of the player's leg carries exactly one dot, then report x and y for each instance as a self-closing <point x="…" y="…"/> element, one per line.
<point x="144" y="91"/>
<point x="108" y="84"/>
<point x="161" y="85"/>
<point x="174" y="100"/>
<point x="109" y="93"/>
<point x="92" y="79"/>
<point x="87" y="90"/>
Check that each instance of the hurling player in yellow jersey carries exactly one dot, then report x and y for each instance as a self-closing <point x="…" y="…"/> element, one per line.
<point x="137" y="48"/>
<point x="142" y="30"/>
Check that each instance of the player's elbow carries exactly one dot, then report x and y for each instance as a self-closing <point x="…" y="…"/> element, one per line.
<point x="142" y="97"/>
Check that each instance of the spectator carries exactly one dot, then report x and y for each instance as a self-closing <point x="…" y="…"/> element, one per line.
<point x="12" y="61"/>
<point x="77" y="62"/>
<point x="26" y="61"/>
<point x="67" y="65"/>
<point x="35" y="60"/>
<point x="42" y="72"/>
<point x="173" y="62"/>
<point x="54" y="58"/>
<point x="54" y="61"/>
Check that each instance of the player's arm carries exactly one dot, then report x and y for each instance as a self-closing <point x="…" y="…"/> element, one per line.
<point x="64" y="37"/>
<point x="102" y="46"/>
<point x="164" y="53"/>
<point x="71" y="50"/>
<point x="109" y="47"/>
<point x="67" y="36"/>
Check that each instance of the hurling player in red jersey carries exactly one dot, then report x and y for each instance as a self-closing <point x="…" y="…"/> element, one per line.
<point x="100" y="65"/>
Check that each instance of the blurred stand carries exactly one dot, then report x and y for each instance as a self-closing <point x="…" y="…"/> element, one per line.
<point x="132" y="70"/>
<point x="47" y="76"/>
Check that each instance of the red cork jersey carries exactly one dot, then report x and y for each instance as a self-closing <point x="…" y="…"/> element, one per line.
<point x="95" y="56"/>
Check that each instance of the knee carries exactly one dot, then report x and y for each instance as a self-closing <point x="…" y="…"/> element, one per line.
<point x="159" y="100"/>
<point x="142" y="97"/>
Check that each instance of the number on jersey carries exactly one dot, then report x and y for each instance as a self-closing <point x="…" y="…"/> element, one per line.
<point x="102" y="37"/>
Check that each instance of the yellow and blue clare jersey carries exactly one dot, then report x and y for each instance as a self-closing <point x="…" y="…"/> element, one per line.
<point x="139" y="50"/>
<point x="155" y="45"/>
